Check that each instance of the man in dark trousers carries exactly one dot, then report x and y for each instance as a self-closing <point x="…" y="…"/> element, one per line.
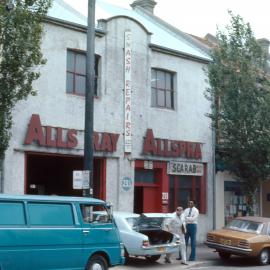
<point x="191" y="217"/>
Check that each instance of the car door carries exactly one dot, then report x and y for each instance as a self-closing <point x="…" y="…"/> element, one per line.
<point x="99" y="232"/>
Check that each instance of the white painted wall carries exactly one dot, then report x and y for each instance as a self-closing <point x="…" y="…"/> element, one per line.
<point x="56" y="108"/>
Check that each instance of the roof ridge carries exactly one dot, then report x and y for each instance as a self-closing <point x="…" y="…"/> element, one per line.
<point x="175" y="31"/>
<point x="71" y="9"/>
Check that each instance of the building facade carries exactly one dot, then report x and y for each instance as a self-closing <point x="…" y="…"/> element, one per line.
<point x="153" y="145"/>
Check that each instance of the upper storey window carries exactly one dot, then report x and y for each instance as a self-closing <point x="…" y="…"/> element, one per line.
<point x="76" y="73"/>
<point x="162" y="84"/>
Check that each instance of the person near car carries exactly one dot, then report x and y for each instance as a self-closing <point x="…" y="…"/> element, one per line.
<point x="176" y="225"/>
<point x="191" y="215"/>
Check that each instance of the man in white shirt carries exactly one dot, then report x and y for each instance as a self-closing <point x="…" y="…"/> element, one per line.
<point x="191" y="217"/>
<point x="176" y="225"/>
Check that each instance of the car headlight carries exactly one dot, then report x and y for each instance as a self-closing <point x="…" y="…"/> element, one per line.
<point x="210" y="238"/>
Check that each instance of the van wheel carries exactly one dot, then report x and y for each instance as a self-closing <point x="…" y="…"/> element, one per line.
<point x="224" y="255"/>
<point x="263" y="258"/>
<point x="153" y="258"/>
<point x="97" y="262"/>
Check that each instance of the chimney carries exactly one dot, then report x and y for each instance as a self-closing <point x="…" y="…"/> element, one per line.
<point x="147" y="5"/>
<point x="264" y="43"/>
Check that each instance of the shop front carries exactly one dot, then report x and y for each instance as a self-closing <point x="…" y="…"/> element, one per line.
<point x="177" y="177"/>
<point x="49" y="168"/>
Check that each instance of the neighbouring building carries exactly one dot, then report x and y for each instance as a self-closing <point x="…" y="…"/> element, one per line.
<point x="230" y="197"/>
<point x="153" y="142"/>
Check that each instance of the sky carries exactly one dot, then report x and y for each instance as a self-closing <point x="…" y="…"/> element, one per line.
<point x="199" y="17"/>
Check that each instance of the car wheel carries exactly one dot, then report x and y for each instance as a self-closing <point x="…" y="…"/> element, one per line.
<point x="153" y="258"/>
<point x="263" y="258"/>
<point x="224" y="255"/>
<point x="97" y="262"/>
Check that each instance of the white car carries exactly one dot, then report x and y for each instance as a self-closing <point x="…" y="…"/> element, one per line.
<point x="145" y="235"/>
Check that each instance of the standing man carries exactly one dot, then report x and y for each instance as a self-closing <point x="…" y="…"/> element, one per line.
<point x="177" y="226"/>
<point x="191" y="217"/>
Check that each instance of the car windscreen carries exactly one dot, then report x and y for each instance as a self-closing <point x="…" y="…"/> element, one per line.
<point x="145" y="223"/>
<point x="245" y="226"/>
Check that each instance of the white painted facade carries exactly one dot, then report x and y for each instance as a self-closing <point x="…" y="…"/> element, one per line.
<point x="56" y="108"/>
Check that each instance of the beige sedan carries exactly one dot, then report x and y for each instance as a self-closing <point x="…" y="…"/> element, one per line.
<point x="244" y="236"/>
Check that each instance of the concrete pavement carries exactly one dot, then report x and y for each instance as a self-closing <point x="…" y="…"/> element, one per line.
<point x="204" y="256"/>
<point x="203" y="253"/>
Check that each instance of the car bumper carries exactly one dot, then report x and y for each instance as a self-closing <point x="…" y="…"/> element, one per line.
<point x="159" y="249"/>
<point x="229" y="249"/>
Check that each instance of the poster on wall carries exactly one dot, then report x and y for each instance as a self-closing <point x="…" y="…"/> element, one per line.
<point x="81" y="179"/>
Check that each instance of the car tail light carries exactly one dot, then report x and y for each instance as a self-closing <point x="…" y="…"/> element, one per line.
<point x="243" y="244"/>
<point x="210" y="238"/>
<point x="122" y="250"/>
<point x="145" y="243"/>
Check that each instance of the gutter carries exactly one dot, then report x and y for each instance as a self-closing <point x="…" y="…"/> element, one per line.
<point x="165" y="50"/>
<point x="73" y="26"/>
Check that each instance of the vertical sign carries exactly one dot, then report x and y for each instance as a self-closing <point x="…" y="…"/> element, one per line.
<point x="127" y="91"/>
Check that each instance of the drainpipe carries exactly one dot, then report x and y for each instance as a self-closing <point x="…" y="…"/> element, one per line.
<point x="214" y="176"/>
<point x="1" y="175"/>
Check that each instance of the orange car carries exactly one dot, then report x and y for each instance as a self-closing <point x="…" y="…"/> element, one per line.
<point x="244" y="236"/>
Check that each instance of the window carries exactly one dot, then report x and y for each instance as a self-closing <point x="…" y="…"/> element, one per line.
<point x="12" y="213"/>
<point x="184" y="188"/>
<point x="49" y="214"/>
<point x="162" y="85"/>
<point x="144" y="176"/>
<point x="76" y="73"/>
<point x="95" y="214"/>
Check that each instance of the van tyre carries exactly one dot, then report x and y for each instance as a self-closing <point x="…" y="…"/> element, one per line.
<point x="97" y="262"/>
<point x="224" y="255"/>
<point x="153" y="258"/>
<point x="263" y="258"/>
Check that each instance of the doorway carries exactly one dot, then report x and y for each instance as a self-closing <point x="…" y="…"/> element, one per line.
<point x="50" y="174"/>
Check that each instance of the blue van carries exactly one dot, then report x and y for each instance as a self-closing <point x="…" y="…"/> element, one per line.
<point x="55" y="232"/>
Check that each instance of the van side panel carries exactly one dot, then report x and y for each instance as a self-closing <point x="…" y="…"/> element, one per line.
<point x="50" y="239"/>
<point x="55" y="236"/>
<point x="50" y="233"/>
<point x="40" y="248"/>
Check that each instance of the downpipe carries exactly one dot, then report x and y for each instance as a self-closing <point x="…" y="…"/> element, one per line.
<point x="1" y="175"/>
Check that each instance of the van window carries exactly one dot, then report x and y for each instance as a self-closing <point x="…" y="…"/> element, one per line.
<point x="16" y="218"/>
<point x="94" y="214"/>
<point x="48" y="214"/>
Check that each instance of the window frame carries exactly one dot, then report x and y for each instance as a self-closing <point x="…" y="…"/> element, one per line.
<point x="198" y="184"/>
<point x="74" y="73"/>
<point x="170" y="105"/>
<point x="31" y="224"/>
<point x="94" y="220"/>
<point x="21" y="203"/>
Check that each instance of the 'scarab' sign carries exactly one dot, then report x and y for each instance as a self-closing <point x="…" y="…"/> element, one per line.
<point x="185" y="168"/>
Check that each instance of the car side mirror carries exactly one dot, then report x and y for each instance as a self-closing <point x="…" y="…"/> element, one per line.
<point x="109" y="207"/>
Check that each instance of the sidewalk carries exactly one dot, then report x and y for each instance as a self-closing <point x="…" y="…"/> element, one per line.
<point x="204" y="255"/>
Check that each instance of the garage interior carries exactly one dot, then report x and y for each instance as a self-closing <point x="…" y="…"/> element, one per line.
<point x="50" y="174"/>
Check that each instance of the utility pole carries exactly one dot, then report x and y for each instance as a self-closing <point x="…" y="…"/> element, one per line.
<point x="89" y="96"/>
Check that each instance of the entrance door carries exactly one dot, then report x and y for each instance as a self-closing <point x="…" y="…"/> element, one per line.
<point x="146" y="199"/>
<point x="150" y="199"/>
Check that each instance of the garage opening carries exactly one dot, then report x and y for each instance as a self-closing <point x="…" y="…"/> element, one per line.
<point x="48" y="174"/>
